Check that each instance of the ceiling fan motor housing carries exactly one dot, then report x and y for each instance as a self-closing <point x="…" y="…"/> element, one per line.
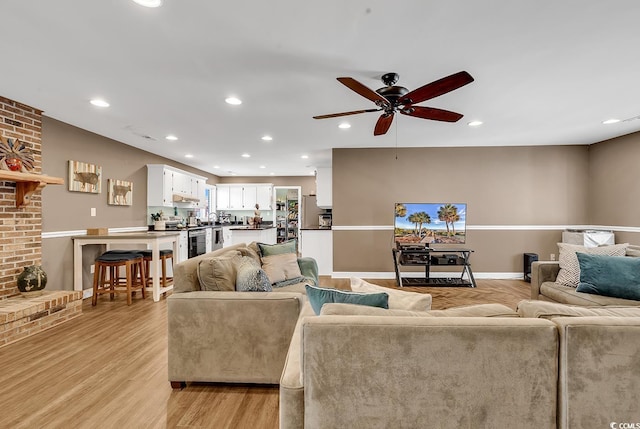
<point x="392" y="93"/>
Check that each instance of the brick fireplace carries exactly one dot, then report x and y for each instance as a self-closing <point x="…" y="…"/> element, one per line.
<point x="21" y="240"/>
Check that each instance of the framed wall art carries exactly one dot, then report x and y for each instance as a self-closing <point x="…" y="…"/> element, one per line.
<point x="119" y="192"/>
<point x="84" y="177"/>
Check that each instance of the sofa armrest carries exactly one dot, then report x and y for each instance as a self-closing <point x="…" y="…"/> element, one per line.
<point x="309" y="269"/>
<point x="542" y="271"/>
<point x="233" y="337"/>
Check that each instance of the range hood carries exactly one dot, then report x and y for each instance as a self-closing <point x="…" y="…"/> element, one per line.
<point x="179" y="198"/>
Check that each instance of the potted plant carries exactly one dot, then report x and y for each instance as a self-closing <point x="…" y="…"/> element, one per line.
<point x="158" y="223"/>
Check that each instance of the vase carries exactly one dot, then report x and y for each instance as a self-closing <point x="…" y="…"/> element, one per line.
<point x="13" y="163"/>
<point x="32" y="281"/>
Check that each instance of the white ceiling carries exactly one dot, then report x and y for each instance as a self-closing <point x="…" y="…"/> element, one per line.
<point x="546" y="72"/>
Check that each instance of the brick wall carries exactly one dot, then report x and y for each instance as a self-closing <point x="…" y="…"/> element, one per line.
<point x="20" y="229"/>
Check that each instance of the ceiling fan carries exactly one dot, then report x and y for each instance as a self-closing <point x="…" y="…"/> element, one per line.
<point x="391" y="99"/>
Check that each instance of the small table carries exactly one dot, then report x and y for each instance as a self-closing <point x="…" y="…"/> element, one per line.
<point x="152" y="240"/>
<point x="422" y="255"/>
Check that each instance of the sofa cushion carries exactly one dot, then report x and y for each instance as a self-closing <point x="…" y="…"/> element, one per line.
<point x="476" y="310"/>
<point x="250" y="277"/>
<point x="549" y="310"/>
<point x="277" y="249"/>
<point x="569" y="274"/>
<point x="281" y="267"/>
<point x="342" y="309"/>
<point x="569" y="295"/>
<point x="398" y="299"/>
<point x="320" y="296"/>
<point x="218" y="273"/>
<point x="614" y="276"/>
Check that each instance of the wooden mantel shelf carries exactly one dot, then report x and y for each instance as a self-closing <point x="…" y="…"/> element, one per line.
<point x="28" y="183"/>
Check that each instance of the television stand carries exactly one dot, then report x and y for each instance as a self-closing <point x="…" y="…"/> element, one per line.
<point x="422" y="255"/>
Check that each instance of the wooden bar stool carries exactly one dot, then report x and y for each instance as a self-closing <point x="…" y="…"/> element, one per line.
<point x="164" y="255"/>
<point x="106" y="278"/>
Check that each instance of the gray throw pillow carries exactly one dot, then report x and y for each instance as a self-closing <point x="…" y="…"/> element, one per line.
<point x="250" y="277"/>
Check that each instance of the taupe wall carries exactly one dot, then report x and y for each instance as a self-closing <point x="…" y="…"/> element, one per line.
<point x="614" y="197"/>
<point x="502" y="186"/>
<point x="69" y="211"/>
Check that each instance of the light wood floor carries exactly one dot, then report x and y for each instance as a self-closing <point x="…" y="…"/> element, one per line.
<point x="107" y="369"/>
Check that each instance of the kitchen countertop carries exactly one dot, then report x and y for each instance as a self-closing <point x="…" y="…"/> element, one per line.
<point x="129" y="235"/>
<point x="250" y="228"/>
<point x="317" y="228"/>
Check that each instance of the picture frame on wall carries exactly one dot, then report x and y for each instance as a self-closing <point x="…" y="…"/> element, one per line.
<point x="119" y="192"/>
<point x="84" y="177"/>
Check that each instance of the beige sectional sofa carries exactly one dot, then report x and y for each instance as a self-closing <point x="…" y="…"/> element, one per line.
<point x="230" y="336"/>
<point x="545" y="288"/>
<point x="418" y="371"/>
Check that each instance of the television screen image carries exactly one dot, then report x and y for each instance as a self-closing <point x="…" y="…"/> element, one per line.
<point x="430" y="223"/>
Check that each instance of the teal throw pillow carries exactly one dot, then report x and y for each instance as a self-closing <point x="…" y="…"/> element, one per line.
<point x="319" y="296"/>
<point x="277" y="249"/>
<point x="615" y="276"/>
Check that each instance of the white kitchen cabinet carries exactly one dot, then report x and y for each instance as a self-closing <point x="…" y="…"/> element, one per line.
<point x="318" y="244"/>
<point x="236" y="200"/>
<point x="248" y="235"/>
<point x="208" y="240"/>
<point x="244" y="196"/>
<point x="183" y="247"/>
<point x="165" y="182"/>
<point x="264" y="197"/>
<point x="324" y="190"/>
<point x="222" y="197"/>
<point x="226" y="235"/>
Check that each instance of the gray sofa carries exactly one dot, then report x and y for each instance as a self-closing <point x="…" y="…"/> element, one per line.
<point x="545" y="288"/>
<point x="419" y="371"/>
<point x="229" y="336"/>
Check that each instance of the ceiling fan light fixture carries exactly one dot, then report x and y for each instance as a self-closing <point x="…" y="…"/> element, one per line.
<point x="344" y="126"/>
<point x="233" y="101"/>
<point x="475" y="123"/>
<point x="611" y="121"/>
<point x="149" y="3"/>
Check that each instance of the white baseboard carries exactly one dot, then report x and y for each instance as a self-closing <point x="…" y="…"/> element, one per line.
<point x="392" y="275"/>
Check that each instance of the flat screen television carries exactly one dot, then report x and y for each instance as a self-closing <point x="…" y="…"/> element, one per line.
<point x="430" y="223"/>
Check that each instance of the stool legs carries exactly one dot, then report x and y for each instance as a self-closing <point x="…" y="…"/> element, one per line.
<point x="106" y="279"/>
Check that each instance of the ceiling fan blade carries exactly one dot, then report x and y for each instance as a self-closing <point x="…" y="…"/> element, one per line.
<point x="366" y="92"/>
<point x="432" y="113"/>
<point x="436" y="88"/>
<point x="383" y="124"/>
<point x="354" y="112"/>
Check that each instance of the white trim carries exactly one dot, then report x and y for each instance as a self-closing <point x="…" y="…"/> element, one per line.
<point x="73" y="233"/>
<point x="500" y="228"/>
<point x="392" y="275"/>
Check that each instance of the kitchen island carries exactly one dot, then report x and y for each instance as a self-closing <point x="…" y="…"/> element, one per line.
<point x="151" y="240"/>
<point x="247" y="234"/>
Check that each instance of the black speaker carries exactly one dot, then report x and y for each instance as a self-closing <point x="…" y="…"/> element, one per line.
<point x="529" y="258"/>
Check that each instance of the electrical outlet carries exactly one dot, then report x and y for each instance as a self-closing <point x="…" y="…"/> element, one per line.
<point x="93" y="211"/>
<point x="92" y="269"/>
<point x="552" y="257"/>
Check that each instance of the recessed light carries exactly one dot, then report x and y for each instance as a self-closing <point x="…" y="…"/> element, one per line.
<point x="305" y="157"/>
<point x="234" y="174"/>
<point x="149" y="3"/>
<point x="267" y="138"/>
<point x="263" y="166"/>
<point x="611" y="121"/>
<point x="171" y="137"/>
<point x="272" y="174"/>
<point x="344" y="125"/>
<point x="99" y="102"/>
<point x="233" y="100"/>
<point x="188" y="155"/>
<point x="246" y="155"/>
<point x="475" y="123"/>
<point x="216" y="166"/>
